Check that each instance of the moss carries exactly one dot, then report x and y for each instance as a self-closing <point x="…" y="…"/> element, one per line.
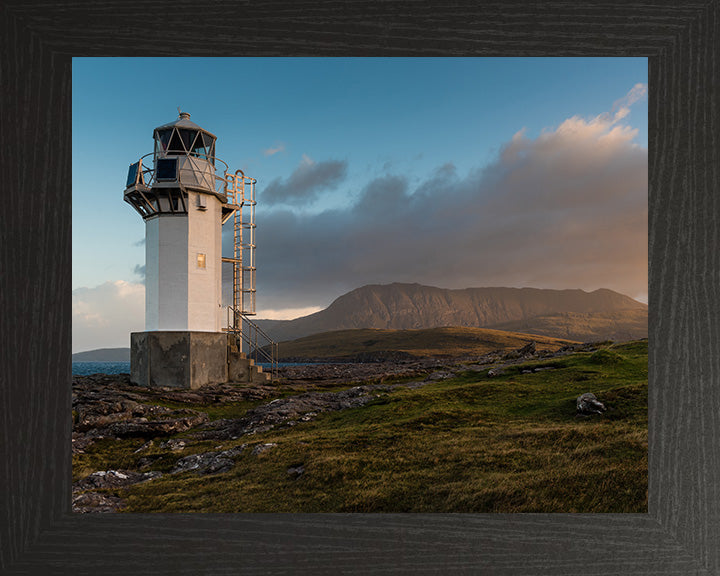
<point x="605" y="357"/>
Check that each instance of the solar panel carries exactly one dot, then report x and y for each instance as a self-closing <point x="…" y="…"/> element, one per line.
<point x="133" y="174"/>
<point x="166" y="169"/>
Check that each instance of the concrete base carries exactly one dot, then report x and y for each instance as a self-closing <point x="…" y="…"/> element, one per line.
<point x="164" y="359"/>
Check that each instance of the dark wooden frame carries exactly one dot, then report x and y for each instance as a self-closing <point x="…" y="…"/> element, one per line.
<point x="680" y="534"/>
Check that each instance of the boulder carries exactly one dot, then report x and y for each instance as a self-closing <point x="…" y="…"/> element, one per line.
<point x="296" y="471"/>
<point x="260" y="448"/>
<point x="173" y="444"/>
<point x="208" y="462"/>
<point x="96" y="502"/>
<point x="587" y="403"/>
<point x="528" y="350"/>
<point x="113" y="479"/>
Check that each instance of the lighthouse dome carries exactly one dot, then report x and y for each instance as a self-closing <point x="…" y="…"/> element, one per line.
<point x="183" y="121"/>
<point x="183" y="137"/>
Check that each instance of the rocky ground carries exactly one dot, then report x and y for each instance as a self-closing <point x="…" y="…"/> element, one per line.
<point x="111" y="407"/>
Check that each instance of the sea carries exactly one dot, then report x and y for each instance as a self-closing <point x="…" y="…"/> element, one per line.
<point x="86" y="368"/>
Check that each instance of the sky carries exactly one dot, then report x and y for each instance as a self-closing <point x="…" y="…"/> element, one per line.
<point x="448" y="172"/>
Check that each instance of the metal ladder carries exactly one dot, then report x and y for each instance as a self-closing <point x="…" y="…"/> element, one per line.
<point x="240" y="192"/>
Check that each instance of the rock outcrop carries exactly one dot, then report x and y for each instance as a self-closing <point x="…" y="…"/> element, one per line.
<point x="209" y="462"/>
<point x="86" y="497"/>
<point x="110" y="407"/>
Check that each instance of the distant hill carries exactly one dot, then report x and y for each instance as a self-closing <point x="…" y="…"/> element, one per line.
<point x="573" y="314"/>
<point x="103" y="355"/>
<point x="451" y="341"/>
<point x="621" y="326"/>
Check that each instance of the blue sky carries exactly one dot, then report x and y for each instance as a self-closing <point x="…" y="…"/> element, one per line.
<point x="331" y="140"/>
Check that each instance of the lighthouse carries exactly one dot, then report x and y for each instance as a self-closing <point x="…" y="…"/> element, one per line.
<point x="185" y="194"/>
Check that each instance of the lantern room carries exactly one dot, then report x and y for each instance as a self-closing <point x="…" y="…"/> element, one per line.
<point x="184" y="138"/>
<point x="184" y="153"/>
<point x="182" y="162"/>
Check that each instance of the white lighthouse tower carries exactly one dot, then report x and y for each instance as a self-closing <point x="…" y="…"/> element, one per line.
<point x="185" y="194"/>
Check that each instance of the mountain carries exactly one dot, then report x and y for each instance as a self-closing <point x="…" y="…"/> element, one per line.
<point x="103" y="355"/>
<point x="571" y="314"/>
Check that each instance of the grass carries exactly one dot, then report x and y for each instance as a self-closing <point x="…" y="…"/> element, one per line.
<point x="511" y="443"/>
<point x="623" y="324"/>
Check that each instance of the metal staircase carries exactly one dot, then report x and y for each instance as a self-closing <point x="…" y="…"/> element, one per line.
<point x="251" y="339"/>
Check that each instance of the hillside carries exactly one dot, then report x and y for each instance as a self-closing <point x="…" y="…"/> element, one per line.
<point x="452" y="341"/>
<point x="103" y="355"/>
<point x="587" y="316"/>
<point x="618" y="326"/>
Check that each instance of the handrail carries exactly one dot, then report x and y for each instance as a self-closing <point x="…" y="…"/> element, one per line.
<point x="219" y="173"/>
<point x="218" y="170"/>
<point x="190" y="155"/>
<point x="250" y="337"/>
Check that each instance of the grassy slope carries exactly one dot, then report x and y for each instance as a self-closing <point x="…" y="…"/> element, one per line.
<point x="453" y="341"/>
<point x="620" y="325"/>
<point x="470" y="444"/>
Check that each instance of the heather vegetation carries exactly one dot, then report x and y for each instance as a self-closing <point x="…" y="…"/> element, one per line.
<point x="446" y="341"/>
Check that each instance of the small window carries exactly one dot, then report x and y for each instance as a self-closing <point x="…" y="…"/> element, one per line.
<point x="176" y="146"/>
<point x="163" y="138"/>
<point x="198" y="148"/>
<point x="201" y="260"/>
<point x="187" y="137"/>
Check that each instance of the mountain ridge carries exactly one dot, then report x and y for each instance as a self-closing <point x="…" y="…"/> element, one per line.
<point x="404" y="306"/>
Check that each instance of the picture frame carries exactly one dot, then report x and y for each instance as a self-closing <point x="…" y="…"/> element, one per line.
<point x="680" y="535"/>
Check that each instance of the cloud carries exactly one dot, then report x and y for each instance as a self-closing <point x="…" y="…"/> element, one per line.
<point x="566" y="209"/>
<point x="287" y="313"/>
<point x="140" y="271"/>
<point x="272" y="151"/>
<point x="621" y="107"/>
<point x="306" y="182"/>
<point x="104" y="316"/>
<point x="637" y="93"/>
